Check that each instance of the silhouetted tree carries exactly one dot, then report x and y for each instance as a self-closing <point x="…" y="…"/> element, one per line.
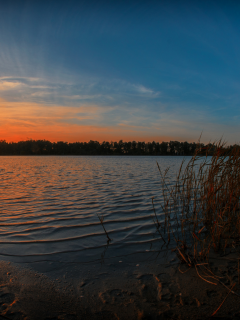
<point x="44" y="147"/>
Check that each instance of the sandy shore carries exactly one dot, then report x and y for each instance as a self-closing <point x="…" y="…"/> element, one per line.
<point x="119" y="291"/>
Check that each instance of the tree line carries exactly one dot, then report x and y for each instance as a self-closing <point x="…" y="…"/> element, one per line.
<point x="45" y="147"/>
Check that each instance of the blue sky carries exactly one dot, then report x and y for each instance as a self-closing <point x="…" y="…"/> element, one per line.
<point x="111" y="70"/>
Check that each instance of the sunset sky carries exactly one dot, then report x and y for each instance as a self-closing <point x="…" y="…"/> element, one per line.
<point x="111" y="70"/>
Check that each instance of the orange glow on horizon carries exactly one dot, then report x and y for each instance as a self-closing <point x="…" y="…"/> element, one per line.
<point x="83" y="134"/>
<point x="21" y="121"/>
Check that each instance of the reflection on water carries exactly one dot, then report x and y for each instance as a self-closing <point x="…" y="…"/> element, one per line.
<point x="50" y="205"/>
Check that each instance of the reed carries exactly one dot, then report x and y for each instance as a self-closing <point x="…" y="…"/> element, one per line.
<point x="201" y="209"/>
<point x="101" y="219"/>
<point x="202" y="213"/>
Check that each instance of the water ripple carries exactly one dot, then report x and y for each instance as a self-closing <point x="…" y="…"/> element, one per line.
<point x="51" y="204"/>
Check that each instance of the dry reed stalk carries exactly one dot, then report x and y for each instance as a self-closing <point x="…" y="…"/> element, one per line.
<point x="223" y="301"/>
<point x="202" y="209"/>
<point x="238" y="273"/>
<point x="101" y="221"/>
<point x="156" y="222"/>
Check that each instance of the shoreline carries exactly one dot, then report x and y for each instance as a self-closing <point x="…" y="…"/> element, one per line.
<point x="118" y="291"/>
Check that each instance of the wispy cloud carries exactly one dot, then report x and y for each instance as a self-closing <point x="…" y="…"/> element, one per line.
<point x="97" y="91"/>
<point x="7" y="85"/>
<point x="35" y="113"/>
<point x="143" y="90"/>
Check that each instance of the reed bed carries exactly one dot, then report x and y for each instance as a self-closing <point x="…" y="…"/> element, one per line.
<point x="201" y="208"/>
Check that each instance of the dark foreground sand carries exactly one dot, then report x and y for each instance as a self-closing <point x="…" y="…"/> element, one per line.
<point x="145" y="291"/>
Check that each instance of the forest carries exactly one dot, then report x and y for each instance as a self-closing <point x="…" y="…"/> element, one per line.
<point x="45" y="147"/>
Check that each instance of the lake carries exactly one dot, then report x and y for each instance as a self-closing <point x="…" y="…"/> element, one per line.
<point x="50" y="207"/>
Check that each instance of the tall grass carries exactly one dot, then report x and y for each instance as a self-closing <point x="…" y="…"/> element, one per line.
<point x="201" y="209"/>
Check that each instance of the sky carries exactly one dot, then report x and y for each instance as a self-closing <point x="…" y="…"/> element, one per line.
<point x="110" y="70"/>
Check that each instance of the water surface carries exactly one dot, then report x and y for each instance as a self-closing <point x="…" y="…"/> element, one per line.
<point x="50" y="206"/>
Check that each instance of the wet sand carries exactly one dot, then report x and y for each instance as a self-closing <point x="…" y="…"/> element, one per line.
<point x="119" y="290"/>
